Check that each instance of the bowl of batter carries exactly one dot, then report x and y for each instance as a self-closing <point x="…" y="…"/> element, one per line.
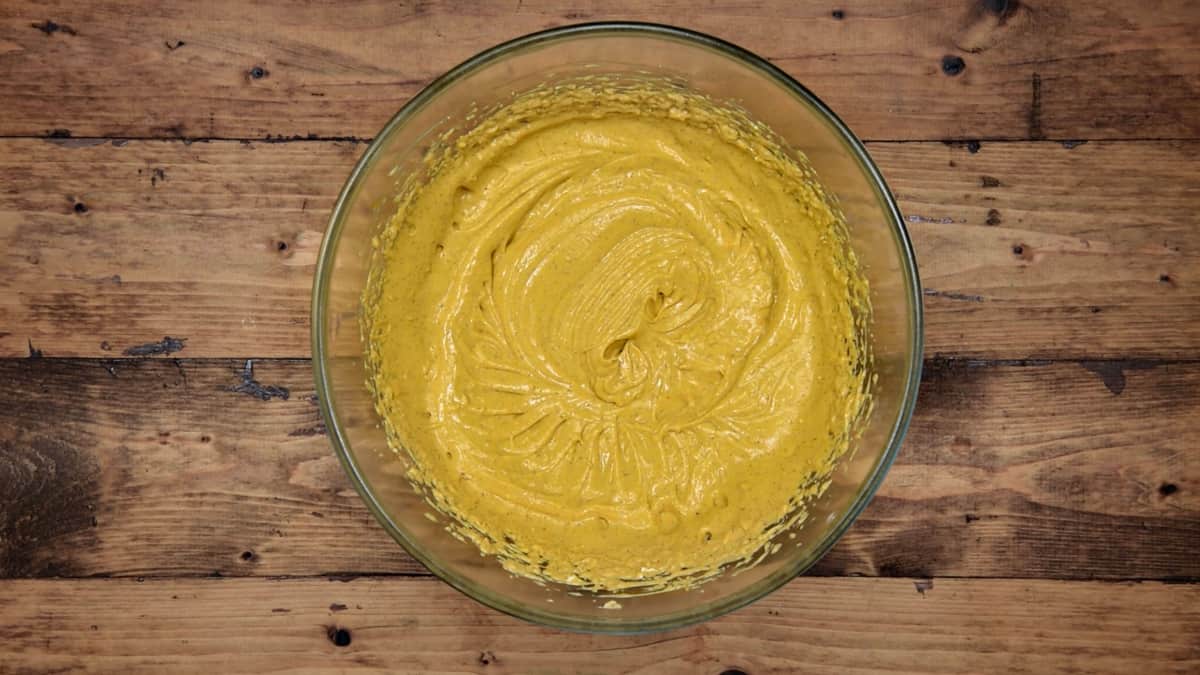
<point x="616" y="327"/>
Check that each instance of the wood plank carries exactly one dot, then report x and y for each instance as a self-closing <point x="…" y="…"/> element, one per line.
<point x="1030" y="69"/>
<point x="159" y="468"/>
<point x="421" y="625"/>
<point x="216" y="243"/>
<point x="1054" y="251"/>
<point x="1046" y="470"/>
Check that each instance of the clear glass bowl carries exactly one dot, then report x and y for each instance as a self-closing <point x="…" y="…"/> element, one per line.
<point x="724" y="72"/>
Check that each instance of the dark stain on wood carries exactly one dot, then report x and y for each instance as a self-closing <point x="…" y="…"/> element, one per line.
<point x="315" y="430"/>
<point x="1112" y="373"/>
<point x="50" y="28"/>
<point x="50" y="488"/>
<point x="972" y="146"/>
<point x="59" y="133"/>
<point x="168" y="345"/>
<point x="156" y="175"/>
<point x="929" y="292"/>
<point x="1168" y="489"/>
<point x="989" y="182"/>
<point x="172" y="47"/>
<point x="252" y="387"/>
<point x="337" y="607"/>
<point x="950" y="383"/>
<point x="80" y="208"/>
<point x="178" y="363"/>
<point x="838" y="14"/>
<point x="1035" y="109"/>
<point x="918" y="218"/>
<point x="993" y="218"/>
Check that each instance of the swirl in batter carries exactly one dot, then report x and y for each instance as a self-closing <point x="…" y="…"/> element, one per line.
<point x="617" y="332"/>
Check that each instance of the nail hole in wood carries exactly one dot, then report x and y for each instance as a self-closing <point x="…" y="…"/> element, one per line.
<point x="1168" y="489"/>
<point x="339" y="636"/>
<point x="953" y="65"/>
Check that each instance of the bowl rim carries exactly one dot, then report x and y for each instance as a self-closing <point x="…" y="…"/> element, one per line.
<point x="612" y="623"/>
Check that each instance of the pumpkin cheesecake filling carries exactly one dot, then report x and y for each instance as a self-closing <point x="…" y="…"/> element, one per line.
<point x="617" y="333"/>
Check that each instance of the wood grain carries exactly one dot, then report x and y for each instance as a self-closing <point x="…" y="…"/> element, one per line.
<point x="1049" y="484"/>
<point x="111" y="246"/>
<point x="1030" y="69"/>
<point x="1091" y="251"/>
<point x="160" y="467"/>
<point x="1054" y="251"/>
<point x="407" y="625"/>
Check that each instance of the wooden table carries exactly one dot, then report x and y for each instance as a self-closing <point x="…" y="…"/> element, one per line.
<point x="166" y="173"/>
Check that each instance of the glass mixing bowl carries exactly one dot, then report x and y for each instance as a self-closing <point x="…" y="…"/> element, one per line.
<point x="726" y="73"/>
